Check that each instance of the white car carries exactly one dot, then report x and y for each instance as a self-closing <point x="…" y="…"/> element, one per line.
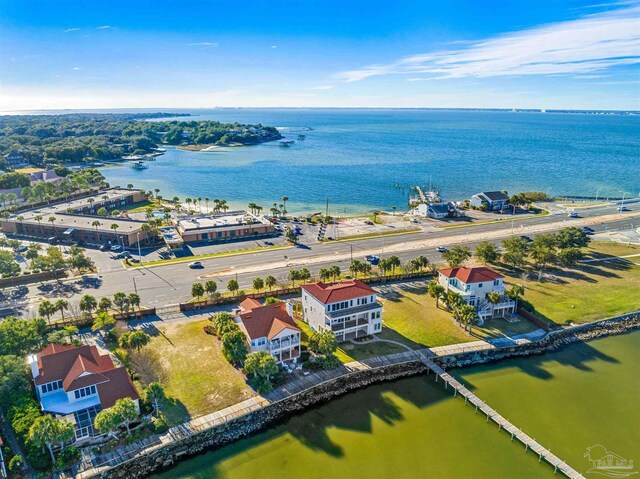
<point x="195" y="265"/>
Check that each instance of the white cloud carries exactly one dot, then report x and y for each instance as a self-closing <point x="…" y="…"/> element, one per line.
<point x="77" y="68"/>
<point x="104" y="27"/>
<point x="274" y="46"/>
<point x="322" y="87"/>
<point x="203" y="44"/>
<point x="71" y="30"/>
<point x="592" y="43"/>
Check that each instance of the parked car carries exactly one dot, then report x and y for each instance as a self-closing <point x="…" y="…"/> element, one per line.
<point x="123" y="255"/>
<point x="53" y="240"/>
<point x="441" y="249"/>
<point x="195" y="265"/>
<point x="22" y="248"/>
<point x="78" y="243"/>
<point x="116" y="247"/>
<point x="526" y="238"/>
<point x="622" y="208"/>
<point x="574" y="215"/>
<point x="104" y="247"/>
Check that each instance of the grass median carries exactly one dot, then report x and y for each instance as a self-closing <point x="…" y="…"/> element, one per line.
<point x="189" y="259"/>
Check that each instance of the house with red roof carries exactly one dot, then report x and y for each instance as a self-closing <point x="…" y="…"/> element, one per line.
<point x="76" y="383"/>
<point x="269" y="327"/>
<point x="474" y="284"/>
<point x="350" y="309"/>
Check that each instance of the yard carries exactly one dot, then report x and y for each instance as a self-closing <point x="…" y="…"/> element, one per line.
<point x="410" y="316"/>
<point x="199" y="379"/>
<point x="588" y="292"/>
<point x="496" y="328"/>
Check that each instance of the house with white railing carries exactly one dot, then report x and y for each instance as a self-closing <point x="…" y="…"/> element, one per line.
<point x="350" y="309"/>
<point x="76" y="383"/>
<point x="474" y="285"/>
<point x="269" y="327"/>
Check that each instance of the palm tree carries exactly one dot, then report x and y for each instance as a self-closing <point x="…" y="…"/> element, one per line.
<point x="115" y="227"/>
<point x="335" y="272"/>
<point x="258" y="284"/>
<point x="355" y="267"/>
<point x="88" y="303"/>
<point x="157" y="190"/>
<point x="394" y="262"/>
<point x="494" y="298"/>
<point x="47" y="308"/>
<point x="52" y="220"/>
<point x="270" y="282"/>
<point x="324" y="274"/>
<point x="61" y="305"/>
<point x="206" y="204"/>
<point x="96" y="224"/>
<point x="515" y="292"/>
<point x="258" y="209"/>
<point x="130" y="186"/>
<point x="38" y="218"/>
<point x="436" y="291"/>
<point x="468" y="315"/>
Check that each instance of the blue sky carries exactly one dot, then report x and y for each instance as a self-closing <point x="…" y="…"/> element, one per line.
<point x="499" y="53"/>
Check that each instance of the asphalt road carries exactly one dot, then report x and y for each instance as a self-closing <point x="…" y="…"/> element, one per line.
<point x="170" y="284"/>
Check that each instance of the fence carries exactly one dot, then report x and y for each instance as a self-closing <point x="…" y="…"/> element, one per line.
<point x="534" y="319"/>
<point x="31" y="278"/>
<point x="208" y="303"/>
<point x="87" y="320"/>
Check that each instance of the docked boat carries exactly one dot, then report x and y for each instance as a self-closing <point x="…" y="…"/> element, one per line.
<point x="139" y="165"/>
<point x="286" y="143"/>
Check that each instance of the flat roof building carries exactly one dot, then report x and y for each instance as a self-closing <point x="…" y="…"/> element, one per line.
<point x="222" y="226"/>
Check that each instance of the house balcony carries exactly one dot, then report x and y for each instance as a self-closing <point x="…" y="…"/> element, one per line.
<point x="284" y="343"/>
<point x="353" y="323"/>
<point x="353" y="310"/>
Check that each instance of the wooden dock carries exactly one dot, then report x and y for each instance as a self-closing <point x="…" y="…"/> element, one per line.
<point x="529" y="443"/>
<point x="423" y="198"/>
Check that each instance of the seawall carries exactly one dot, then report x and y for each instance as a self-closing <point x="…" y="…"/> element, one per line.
<point x="220" y="435"/>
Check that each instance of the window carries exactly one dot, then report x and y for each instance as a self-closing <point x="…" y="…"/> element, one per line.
<point x="496" y="282"/>
<point x="377" y="327"/>
<point x="49" y="387"/>
<point x="84" y="392"/>
<point x="479" y="285"/>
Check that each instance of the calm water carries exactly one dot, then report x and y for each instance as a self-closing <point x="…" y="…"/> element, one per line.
<point x="587" y="394"/>
<point x="358" y="157"/>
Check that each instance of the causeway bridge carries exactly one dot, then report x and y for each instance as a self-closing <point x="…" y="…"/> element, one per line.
<point x="529" y="443"/>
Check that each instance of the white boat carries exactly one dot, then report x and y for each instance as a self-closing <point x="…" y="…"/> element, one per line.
<point x="139" y="165"/>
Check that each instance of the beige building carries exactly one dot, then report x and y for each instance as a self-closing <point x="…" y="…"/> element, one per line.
<point x="222" y="227"/>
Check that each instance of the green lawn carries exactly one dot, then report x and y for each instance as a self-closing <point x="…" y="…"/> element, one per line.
<point x="410" y="316"/>
<point x="589" y="291"/>
<point x="501" y="328"/>
<point x="199" y="378"/>
<point x="142" y="206"/>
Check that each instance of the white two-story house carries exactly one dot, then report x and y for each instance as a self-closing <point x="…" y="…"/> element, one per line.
<point x="269" y="327"/>
<point x="350" y="309"/>
<point x="474" y="284"/>
<point x="76" y="383"/>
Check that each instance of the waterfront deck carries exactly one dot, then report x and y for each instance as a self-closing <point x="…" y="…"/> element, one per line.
<point x="529" y="443"/>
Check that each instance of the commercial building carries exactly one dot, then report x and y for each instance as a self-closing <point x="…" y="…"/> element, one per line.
<point x="76" y="383"/>
<point x="77" y="220"/>
<point x="222" y="226"/>
<point x="269" y="327"/>
<point x="474" y="285"/>
<point x="350" y="309"/>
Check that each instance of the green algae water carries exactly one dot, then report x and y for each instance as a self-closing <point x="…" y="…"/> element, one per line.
<point x="584" y="395"/>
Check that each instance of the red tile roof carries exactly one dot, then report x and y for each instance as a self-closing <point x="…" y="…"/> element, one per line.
<point x="84" y="366"/>
<point x="471" y="275"/>
<point x="333" y="293"/>
<point x="266" y="321"/>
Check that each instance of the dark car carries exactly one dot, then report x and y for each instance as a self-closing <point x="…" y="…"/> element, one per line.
<point x="104" y="247"/>
<point x="22" y="249"/>
<point x="78" y="243"/>
<point x="53" y="240"/>
<point x="441" y="249"/>
<point x="526" y="238"/>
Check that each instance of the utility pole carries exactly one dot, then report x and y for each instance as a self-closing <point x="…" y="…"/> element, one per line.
<point x="326" y="211"/>
<point x="351" y="247"/>
<point x="597" y="193"/>
<point x="139" y="249"/>
<point x="135" y="287"/>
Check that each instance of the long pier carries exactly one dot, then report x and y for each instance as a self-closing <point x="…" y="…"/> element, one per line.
<point x="423" y="198"/>
<point x="529" y="443"/>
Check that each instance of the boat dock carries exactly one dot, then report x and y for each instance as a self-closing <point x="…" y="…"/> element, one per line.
<point x="529" y="443"/>
<point x="423" y="198"/>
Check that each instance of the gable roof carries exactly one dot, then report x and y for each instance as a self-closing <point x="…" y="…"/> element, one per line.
<point x="471" y="275"/>
<point x="83" y="366"/>
<point x="332" y="293"/>
<point x="266" y="320"/>
<point x="439" y="207"/>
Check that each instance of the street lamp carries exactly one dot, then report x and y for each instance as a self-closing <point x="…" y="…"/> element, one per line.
<point x="597" y="193"/>
<point x="139" y="250"/>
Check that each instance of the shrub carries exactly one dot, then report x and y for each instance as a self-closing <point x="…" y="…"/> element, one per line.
<point x="15" y="464"/>
<point x="209" y="329"/>
<point x="68" y="456"/>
